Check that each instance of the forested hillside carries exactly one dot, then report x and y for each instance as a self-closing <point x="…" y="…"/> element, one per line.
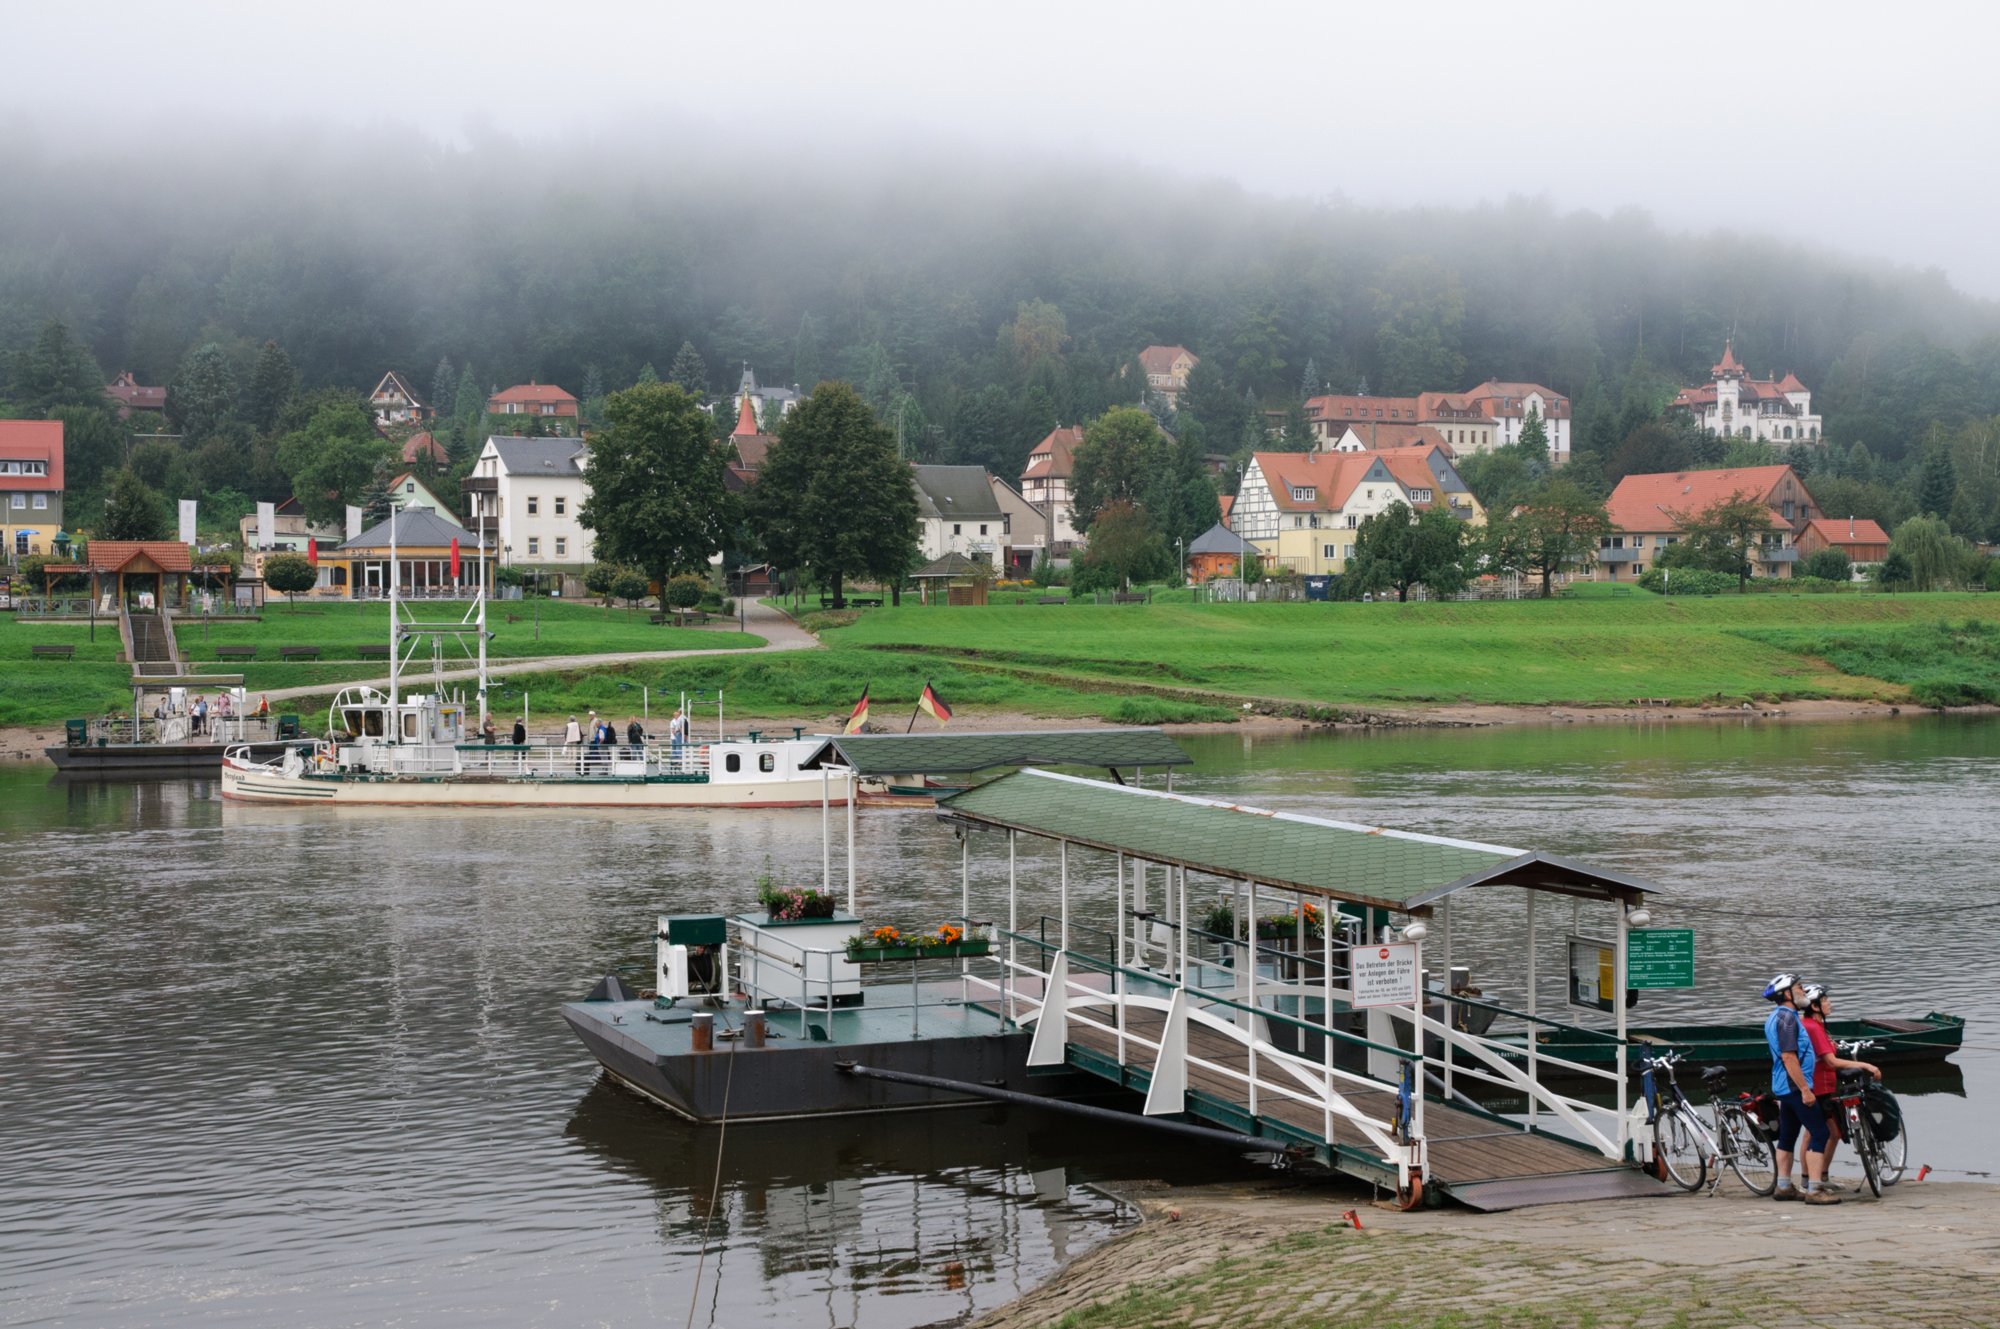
<point x="976" y="304"/>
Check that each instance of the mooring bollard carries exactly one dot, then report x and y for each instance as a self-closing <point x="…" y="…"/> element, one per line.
<point x="753" y="1029"/>
<point x="702" y="1026"/>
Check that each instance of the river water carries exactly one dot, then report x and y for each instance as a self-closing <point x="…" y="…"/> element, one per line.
<point x="265" y="1064"/>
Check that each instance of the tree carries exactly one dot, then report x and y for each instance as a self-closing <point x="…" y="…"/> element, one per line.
<point x="647" y="375"/>
<point x="133" y="511"/>
<point x="592" y="405"/>
<point x="272" y="384"/>
<point x="1556" y="530"/>
<point x="1894" y="572"/>
<point x="1829" y="564"/>
<point x="1298" y="434"/>
<point x="92" y="444"/>
<point x="657" y="499"/>
<point x="1179" y="498"/>
<point x="202" y="394"/>
<point x="688" y="373"/>
<point x="630" y="585"/>
<point x="1039" y="331"/>
<point x="1931" y="553"/>
<point x="1721" y="536"/>
<point x="833" y="498"/>
<point x="289" y="574"/>
<point x="682" y="592"/>
<point x="1396" y="549"/>
<point x="444" y="390"/>
<point x="1533" y="444"/>
<point x="58" y="370"/>
<point x="334" y="460"/>
<point x="469" y="406"/>
<point x="1937" y="484"/>
<point x="1121" y="452"/>
<point x="1309" y="381"/>
<point x="598" y="577"/>
<point x="1124" y="545"/>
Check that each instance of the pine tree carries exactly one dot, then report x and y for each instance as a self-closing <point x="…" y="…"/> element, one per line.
<point x="202" y="395"/>
<point x="806" y="368"/>
<point x="58" y="371"/>
<point x="1937" y="483"/>
<point x="592" y="405"/>
<point x="688" y="373"/>
<point x="133" y="511"/>
<point x="1309" y="381"/>
<point x="647" y="374"/>
<point x="469" y="403"/>
<point x="272" y="384"/>
<point x="444" y="389"/>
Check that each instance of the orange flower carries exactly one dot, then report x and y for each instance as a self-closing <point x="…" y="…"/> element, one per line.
<point x="886" y="935"/>
<point x="949" y="934"/>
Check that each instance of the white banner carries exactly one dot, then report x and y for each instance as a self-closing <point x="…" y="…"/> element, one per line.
<point x="267" y="524"/>
<point x="187" y="521"/>
<point x="353" y="522"/>
<point x="1384" y="975"/>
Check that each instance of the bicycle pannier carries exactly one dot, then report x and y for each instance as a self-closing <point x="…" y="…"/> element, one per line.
<point x="1885" y="1114"/>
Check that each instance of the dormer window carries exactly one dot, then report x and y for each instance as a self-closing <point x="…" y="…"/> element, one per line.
<point x="1303" y="493"/>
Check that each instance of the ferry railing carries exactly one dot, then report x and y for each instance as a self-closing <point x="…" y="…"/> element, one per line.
<point x="819" y="976"/>
<point x="1318" y="1087"/>
<point x="554" y="760"/>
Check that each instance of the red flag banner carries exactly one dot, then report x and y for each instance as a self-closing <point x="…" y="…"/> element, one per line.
<point x="312" y="551"/>
<point x="860" y="715"/>
<point x="933" y="705"/>
<point x="454" y="558"/>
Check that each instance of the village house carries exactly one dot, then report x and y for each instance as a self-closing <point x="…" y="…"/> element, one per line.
<point x="130" y="395"/>
<point x="1508" y="406"/>
<point x="556" y="409"/>
<point x="1734" y="405"/>
<point x="1489" y="416"/>
<point x="1645" y="515"/>
<point x="421" y="445"/>
<point x="407" y="491"/>
<point x="1373" y="436"/>
<point x="423" y="548"/>
<point x="1045" y="483"/>
<point x="395" y="402"/>
<point x="958" y="514"/>
<point x="1864" y="542"/>
<point x="1302" y="510"/>
<point x="289" y="533"/>
<point x="1217" y="552"/>
<point x="773" y="404"/>
<point x="528" y="493"/>
<point x="1027" y="532"/>
<point x="31" y="486"/>
<point x="1166" y="369"/>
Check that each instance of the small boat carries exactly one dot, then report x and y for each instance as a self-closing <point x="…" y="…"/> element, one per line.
<point x="1933" y="1038"/>
<point x="157" y="749"/>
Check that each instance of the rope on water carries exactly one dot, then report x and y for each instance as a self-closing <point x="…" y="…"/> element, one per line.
<point x="1921" y="912"/>
<point x="715" y="1190"/>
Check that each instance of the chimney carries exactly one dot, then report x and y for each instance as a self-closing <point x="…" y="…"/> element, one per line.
<point x="1850" y="527"/>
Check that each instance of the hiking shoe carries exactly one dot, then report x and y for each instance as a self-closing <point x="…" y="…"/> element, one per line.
<point x="1785" y="1193"/>
<point x="1819" y="1197"/>
<point x="1835" y="1187"/>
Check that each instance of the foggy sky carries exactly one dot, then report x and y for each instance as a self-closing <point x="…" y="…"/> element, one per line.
<point x="1867" y="129"/>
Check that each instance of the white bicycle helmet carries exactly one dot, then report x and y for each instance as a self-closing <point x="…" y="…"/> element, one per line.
<point x="1778" y="987"/>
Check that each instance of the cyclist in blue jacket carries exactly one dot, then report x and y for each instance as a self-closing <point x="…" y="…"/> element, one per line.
<point x="1791" y="1081"/>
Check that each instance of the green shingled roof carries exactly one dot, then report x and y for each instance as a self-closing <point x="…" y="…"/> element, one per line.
<point x="1359" y="864"/>
<point x="945" y="754"/>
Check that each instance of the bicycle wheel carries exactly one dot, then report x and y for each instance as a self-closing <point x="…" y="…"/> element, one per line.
<point x="1895" y="1154"/>
<point x="1752" y="1160"/>
<point x="1677" y="1145"/>
<point x="1862" y="1136"/>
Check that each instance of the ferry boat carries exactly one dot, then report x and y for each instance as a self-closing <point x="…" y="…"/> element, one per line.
<point x="426" y="749"/>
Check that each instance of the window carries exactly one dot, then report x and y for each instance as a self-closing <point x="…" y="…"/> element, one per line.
<point x="548" y="408"/>
<point x="534" y="505"/>
<point x="562" y="546"/>
<point x="534" y="545"/>
<point x="1353" y="520"/>
<point x="1420" y="495"/>
<point x="409" y="486"/>
<point x="20" y="500"/>
<point x="957" y="528"/>
<point x="982" y="528"/>
<point x="513" y="408"/>
<point x="766" y="762"/>
<point x="1347" y="551"/>
<point x="41" y="501"/>
<point x="1302" y="493"/>
<point x="562" y="505"/>
<point x="1329" y="551"/>
<point x="1298" y="523"/>
<point x="733" y="762"/>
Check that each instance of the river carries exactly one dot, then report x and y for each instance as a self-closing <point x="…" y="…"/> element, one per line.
<point x="305" y="1065"/>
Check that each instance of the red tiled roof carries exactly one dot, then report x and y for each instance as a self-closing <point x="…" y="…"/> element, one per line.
<point x="1848" y="531"/>
<point x="1380" y="436"/>
<point x="1361" y="408"/>
<point x="530" y="394"/>
<point x="32" y="440"/>
<point x="1055" y="456"/>
<point x="420" y="443"/>
<point x="1227" y="501"/>
<point x="1645" y="502"/>
<point x="1728" y="364"/>
<point x="1790" y="383"/>
<point x="1496" y="398"/>
<point x="135" y="396"/>
<point x="1331" y="476"/>
<point x="1160" y="359"/>
<point x="111" y="555"/>
<point x="751" y="449"/>
<point x="746" y="418"/>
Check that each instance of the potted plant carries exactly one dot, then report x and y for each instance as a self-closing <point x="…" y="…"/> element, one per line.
<point x="891" y="943"/>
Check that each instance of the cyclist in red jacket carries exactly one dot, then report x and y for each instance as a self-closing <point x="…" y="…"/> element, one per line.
<point x="1827" y="1066"/>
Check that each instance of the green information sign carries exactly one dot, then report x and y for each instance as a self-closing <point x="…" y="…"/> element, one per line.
<point x="1659" y="958"/>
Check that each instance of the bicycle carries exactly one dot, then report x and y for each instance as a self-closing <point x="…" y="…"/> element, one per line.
<point x="1882" y="1161"/>
<point x="1687" y="1147"/>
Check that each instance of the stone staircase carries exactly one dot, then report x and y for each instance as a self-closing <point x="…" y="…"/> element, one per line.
<point x="151" y="640"/>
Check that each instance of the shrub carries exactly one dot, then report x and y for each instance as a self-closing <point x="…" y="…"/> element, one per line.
<point x="794" y="902"/>
<point x="630" y="584"/>
<point x="290" y="573"/>
<point x="1686" y="581"/>
<point x="507" y="576"/>
<point x="1829" y="565"/>
<point x="684" y="591"/>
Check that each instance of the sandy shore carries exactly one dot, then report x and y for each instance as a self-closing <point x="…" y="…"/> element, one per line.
<point x="1281" y="1253"/>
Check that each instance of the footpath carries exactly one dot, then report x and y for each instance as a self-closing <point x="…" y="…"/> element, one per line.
<point x="1279" y="1253"/>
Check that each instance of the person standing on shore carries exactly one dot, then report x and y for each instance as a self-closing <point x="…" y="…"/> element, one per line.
<point x="1827" y="1066"/>
<point x="1791" y="1081"/>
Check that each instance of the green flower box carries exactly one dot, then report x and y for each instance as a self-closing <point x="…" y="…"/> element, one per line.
<point x="873" y="954"/>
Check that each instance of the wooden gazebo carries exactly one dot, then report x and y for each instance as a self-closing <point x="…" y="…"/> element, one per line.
<point x="131" y="570"/>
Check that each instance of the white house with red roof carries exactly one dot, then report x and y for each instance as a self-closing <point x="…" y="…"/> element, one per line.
<point x="1045" y="483"/>
<point x="1167" y="369"/>
<point x="1508" y="405"/>
<point x="1735" y="405"/>
<point x="1302" y="509"/>
<point x="1489" y="416"/>
<point x="556" y="408"/>
<point x="395" y="402"/>
<point x="1645" y="513"/>
<point x="31" y="486"/>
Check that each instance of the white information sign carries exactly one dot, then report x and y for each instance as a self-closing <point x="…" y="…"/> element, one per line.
<point x="1384" y="975"/>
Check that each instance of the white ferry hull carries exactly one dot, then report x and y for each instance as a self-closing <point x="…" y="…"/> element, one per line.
<point x="250" y="782"/>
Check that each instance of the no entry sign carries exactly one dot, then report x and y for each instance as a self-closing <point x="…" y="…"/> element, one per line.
<point x="1384" y="975"/>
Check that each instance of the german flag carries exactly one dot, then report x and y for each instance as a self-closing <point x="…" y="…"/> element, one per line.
<point x="860" y="715"/>
<point x="933" y="705"/>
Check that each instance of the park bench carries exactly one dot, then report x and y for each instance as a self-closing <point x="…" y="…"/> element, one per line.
<point x="52" y="652"/>
<point x="1052" y="599"/>
<point x="865" y="601"/>
<point x="1128" y="597"/>
<point x="372" y="650"/>
<point x="298" y="652"/>
<point x="681" y="617"/>
<point x="236" y="652"/>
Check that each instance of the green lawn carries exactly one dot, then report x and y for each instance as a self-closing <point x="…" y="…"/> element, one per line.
<point x="36" y="691"/>
<point x="1590" y="650"/>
